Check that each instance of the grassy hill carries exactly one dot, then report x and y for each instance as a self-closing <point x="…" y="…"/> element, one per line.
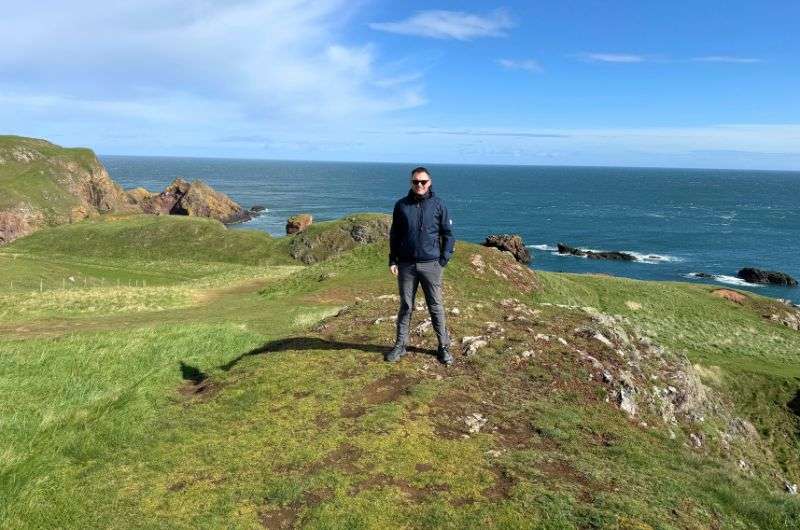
<point x="202" y="377"/>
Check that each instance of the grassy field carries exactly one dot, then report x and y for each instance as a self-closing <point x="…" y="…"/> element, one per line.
<point x="222" y="384"/>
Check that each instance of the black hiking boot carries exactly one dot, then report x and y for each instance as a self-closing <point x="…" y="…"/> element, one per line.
<point x="444" y="356"/>
<point x="394" y="355"/>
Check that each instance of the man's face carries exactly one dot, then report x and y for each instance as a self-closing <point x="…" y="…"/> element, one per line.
<point x="420" y="183"/>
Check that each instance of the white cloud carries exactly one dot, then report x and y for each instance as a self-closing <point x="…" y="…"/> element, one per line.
<point x="726" y="59"/>
<point x="531" y="65"/>
<point x="272" y="60"/>
<point x="611" y="57"/>
<point x="441" y="24"/>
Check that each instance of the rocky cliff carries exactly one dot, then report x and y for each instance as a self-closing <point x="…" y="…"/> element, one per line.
<point x="43" y="184"/>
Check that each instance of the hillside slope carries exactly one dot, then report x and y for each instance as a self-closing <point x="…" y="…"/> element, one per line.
<point x="251" y="394"/>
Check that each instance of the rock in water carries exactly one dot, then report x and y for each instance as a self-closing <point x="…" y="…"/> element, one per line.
<point x="610" y="255"/>
<point x="509" y="243"/>
<point x="753" y="275"/>
<point x="196" y="199"/>
<point x="298" y="223"/>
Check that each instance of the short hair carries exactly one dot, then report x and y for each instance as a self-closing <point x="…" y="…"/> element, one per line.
<point x="419" y="169"/>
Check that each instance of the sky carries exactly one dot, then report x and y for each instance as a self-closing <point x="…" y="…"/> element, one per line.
<point x="622" y="83"/>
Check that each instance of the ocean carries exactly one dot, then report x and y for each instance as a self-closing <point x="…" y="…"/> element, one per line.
<point x="678" y="222"/>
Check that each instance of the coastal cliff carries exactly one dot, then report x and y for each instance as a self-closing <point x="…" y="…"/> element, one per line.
<point x="43" y="184"/>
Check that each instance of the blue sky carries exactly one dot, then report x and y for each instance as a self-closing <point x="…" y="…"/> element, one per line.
<point x="687" y="84"/>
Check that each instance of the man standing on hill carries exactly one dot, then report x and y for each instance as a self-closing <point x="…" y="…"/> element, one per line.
<point x="420" y="245"/>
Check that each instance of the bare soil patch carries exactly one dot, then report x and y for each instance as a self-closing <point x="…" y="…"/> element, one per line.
<point x="728" y="294"/>
<point x="390" y="388"/>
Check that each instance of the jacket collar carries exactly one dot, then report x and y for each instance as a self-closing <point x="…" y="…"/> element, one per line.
<point x="413" y="197"/>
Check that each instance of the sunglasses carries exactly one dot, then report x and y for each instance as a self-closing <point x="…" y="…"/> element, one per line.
<point x="420" y="182"/>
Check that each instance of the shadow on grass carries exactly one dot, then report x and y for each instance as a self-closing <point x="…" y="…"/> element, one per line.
<point x="315" y="343"/>
<point x="192" y="373"/>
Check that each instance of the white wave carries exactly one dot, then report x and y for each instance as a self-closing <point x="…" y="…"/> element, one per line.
<point x="733" y="280"/>
<point x="542" y="247"/>
<point x="722" y="278"/>
<point x="653" y="258"/>
<point x="638" y="256"/>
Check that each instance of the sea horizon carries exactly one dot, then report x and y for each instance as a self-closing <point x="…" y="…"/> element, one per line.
<point x="677" y="222"/>
<point x="415" y="164"/>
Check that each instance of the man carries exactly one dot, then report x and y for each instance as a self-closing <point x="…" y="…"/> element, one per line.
<point x="420" y="245"/>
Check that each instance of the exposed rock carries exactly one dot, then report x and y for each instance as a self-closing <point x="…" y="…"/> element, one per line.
<point x="790" y="319"/>
<point x="753" y="275"/>
<point x="472" y="344"/>
<point x="202" y="201"/>
<point x="194" y="199"/>
<point x="626" y="400"/>
<point x="455" y="311"/>
<point x="424" y="326"/>
<point x="634" y="306"/>
<point x="476" y="260"/>
<point x="696" y="439"/>
<point x="70" y="185"/>
<point x="258" y="208"/>
<point x="612" y="255"/>
<point x="298" y="223"/>
<point x="475" y="422"/>
<point x="16" y="224"/>
<point x="790" y="487"/>
<point x="509" y="243"/>
<point x="702" y="275"/>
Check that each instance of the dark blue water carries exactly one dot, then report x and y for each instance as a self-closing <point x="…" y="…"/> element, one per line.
<point x="686" y="220"/>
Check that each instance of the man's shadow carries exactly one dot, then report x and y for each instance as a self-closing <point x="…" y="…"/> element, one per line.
<point x="315" y="343"/>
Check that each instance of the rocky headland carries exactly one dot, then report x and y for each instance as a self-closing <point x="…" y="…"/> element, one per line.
<point x="44" y="184"/>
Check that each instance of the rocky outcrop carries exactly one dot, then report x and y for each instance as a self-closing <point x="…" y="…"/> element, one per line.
<point x="332" y="238"/>
<point x="298" y="223"/>
<point x="753" y="275"/>
<point x="14" y="225"/>
<point x="612" y="255"/>
<point x="42" y="184"/>
<point x="509" y="243"/>
<point x="195" y="199"/>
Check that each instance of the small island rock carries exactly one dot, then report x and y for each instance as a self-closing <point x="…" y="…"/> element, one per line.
<point x="610" y="255"/>
<point x="753" y="275"/>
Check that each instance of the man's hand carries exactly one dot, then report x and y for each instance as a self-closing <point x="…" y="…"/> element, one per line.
<point x="393" y="268"/>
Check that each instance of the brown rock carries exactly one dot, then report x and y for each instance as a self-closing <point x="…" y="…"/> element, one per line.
<point x="510" y="243"/>
<point x="195" y="199"/>
<point x="14" y="225"/>
<point x="298" y="223"/>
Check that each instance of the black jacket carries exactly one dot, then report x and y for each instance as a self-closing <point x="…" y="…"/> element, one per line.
<point x="421" y="230"/>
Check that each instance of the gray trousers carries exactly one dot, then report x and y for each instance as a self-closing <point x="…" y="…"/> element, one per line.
<point x="409" y="276"/>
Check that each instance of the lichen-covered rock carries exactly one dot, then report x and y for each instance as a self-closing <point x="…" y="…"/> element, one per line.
<point x="298" y="223"/>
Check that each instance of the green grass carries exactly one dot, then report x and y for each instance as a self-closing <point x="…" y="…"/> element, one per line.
<point x="36" y="182"/>
<point x="226" y="393"/>
<point x="155" y="238"/>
